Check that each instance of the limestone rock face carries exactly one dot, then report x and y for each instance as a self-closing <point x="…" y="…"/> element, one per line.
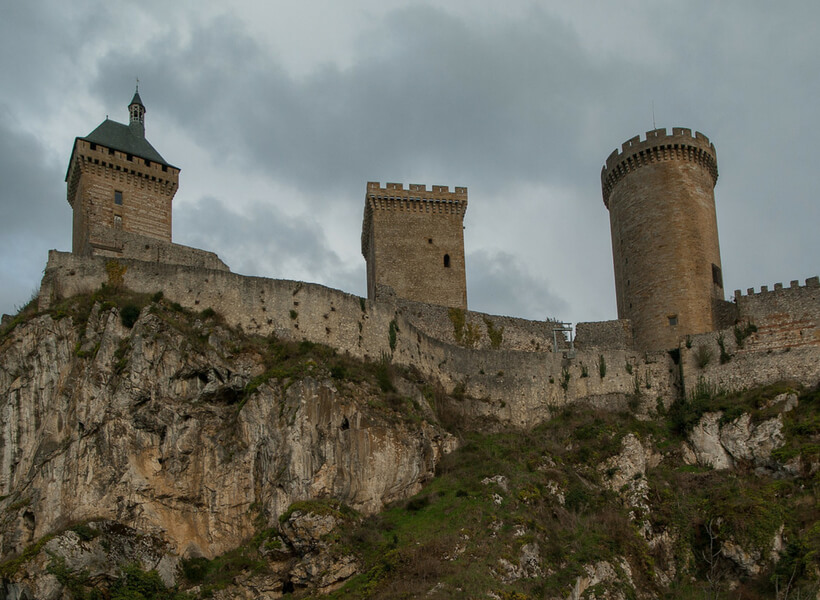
<point x="720" y="446"/>
<point x="152" y="428"/>
<point x="705" y="440"/>
<point x="602" y="572"/>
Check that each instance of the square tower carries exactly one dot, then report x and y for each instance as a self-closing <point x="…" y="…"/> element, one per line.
<point x="413" y="242"/>
<point x="117" y="182"/>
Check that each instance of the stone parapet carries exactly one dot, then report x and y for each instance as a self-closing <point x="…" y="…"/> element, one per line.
<point x="657" y="147"/>
<point x="116" y="243"/>
<point x="502" y="388"/>
<point x="413" y="241"/>
<point x="616" y="335"/>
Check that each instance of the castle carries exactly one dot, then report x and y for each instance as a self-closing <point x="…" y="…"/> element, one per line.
<point x="120" y="190"/>
<point x="673" y="320"/>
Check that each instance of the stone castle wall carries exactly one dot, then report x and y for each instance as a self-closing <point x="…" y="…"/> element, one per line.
<point x="501" y="387"/>
<point x="493" y="387"/>
<point x="784" y="345"/>
<point x="784" y="317"/>
<point x="471" y="329"/>
<point x="96" y="172"/>
<point x="615" y="335"/>
<point x="116" y="243"/>
<point x="660" y="196"/>
<point x="413" y="242"/>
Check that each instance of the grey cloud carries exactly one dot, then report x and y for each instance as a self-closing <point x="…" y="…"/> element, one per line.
<point x="34" y="215"/>
<point x="435" y="99"/>
<point x="499" y="283"/>
<point x="265" y="242"/>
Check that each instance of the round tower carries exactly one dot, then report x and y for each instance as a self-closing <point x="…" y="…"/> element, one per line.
<point x="660" y="196"/>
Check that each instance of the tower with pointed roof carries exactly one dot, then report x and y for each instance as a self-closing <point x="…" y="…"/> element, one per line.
<point x="118" y="184"/>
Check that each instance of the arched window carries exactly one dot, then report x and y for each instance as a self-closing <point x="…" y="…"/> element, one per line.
<point x="447" y="261"/>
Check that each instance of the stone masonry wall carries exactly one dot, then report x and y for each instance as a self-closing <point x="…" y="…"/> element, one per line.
<point x="471" y="329"/>
<point x="784" y="317"/>
<point x="784" y="347"/>
<point x="117" y="243"/>
<point x="96" y="172"/>
<point x="666" y="256"/>
<point x="413" y="241"/>
<point x="500" y="388"/>
<point x="604" y="334"/>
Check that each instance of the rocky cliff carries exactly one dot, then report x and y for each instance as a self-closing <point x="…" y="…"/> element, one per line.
<point x="133" y="414"/>
<point x="149" y="451"/>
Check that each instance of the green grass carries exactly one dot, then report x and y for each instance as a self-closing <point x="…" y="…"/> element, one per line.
<point x="440" y="535"/>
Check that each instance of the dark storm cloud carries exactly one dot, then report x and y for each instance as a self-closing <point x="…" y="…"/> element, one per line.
<point x="426" y="96"/>
<point x="504" y="286"/>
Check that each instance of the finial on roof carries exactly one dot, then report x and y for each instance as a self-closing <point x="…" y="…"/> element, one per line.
<point x="137" y="112"/>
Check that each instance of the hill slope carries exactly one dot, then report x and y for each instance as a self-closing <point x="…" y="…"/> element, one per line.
<point x="151" y="450"/>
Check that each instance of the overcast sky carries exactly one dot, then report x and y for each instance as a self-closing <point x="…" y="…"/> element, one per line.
<point x="278" y="113"/>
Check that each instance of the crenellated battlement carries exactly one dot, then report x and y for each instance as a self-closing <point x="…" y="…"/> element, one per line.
<point x="416" y="198"/>
<point x="107" y="162"/>
<point x="658" y="146"/>
<point x="811" y="282"/>
<point x="415" y="191"/>
<point x="413" y="242"/>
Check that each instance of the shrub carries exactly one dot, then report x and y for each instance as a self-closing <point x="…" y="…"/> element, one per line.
<point x="602" y="366"/>
<point x="496" y="335"/>
<point x="724" y="356"/>
<point x="741" y="333"/>
<point x="129" y="315"/>
<point x="565" y="378"/>
<point x="417" y="503"/>
<point x="391" y="335"/>
<point x="703" y="356"/>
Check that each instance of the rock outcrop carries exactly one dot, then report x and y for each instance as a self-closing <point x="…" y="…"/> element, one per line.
<point x="189" y="432"/>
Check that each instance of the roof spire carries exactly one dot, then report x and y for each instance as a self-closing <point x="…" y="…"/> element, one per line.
<point x="137" y="111"/>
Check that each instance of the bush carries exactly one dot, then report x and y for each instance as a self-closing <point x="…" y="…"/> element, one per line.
<point x="391" y="336"/>
<point x="724" y="356"/>
<point x="129" y="315"/>
<point x="703" y="356"/>
<point x="417" y="503"/>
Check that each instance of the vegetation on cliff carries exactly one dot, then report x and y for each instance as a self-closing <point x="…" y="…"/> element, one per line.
<point x="592" y="503"/>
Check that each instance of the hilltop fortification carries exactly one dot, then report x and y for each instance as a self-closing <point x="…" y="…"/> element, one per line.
<point x="121" y="189"/>
<point x="665" y="250"/>
<point x="413" y="242"/>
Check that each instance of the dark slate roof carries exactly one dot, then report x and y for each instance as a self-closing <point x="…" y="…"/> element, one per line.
<point x="137" y="100"/>
<point x="123" y="138"/>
